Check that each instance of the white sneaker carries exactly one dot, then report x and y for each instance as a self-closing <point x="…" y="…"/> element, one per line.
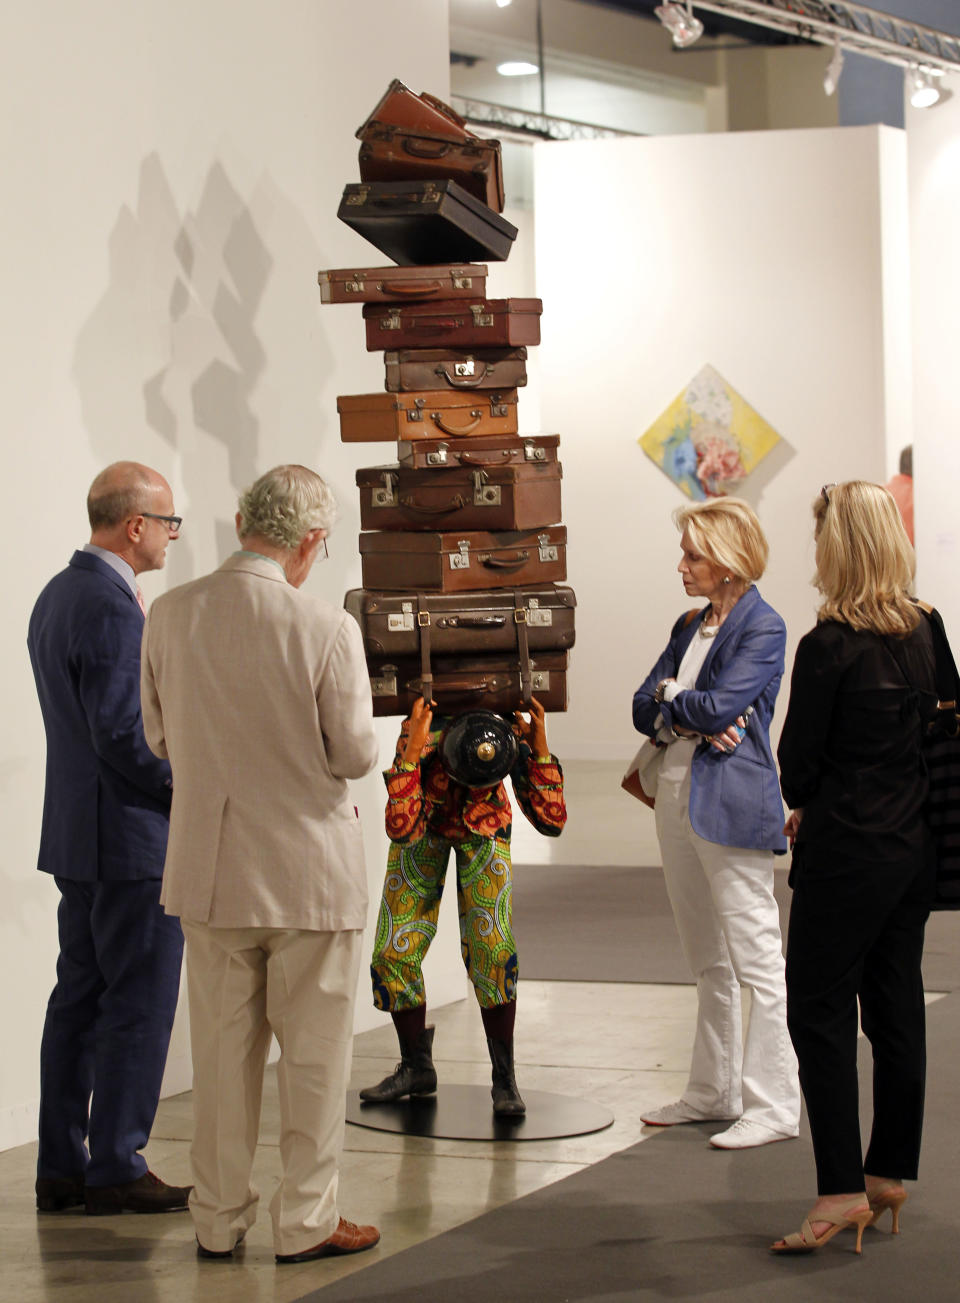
<point x="745" y="1134"/>
<point x="671" y="1115"/>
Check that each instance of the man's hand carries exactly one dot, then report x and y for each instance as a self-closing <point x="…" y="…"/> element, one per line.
<point x="420" y="719"/>
<point x="534" y="730"/>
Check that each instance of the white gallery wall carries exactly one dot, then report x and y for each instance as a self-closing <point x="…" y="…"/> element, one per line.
<point x="780" y="259"/>
<point x="171" y="178"/>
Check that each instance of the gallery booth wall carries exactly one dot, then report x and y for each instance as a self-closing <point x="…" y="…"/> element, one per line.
<point x="175" y="192"/>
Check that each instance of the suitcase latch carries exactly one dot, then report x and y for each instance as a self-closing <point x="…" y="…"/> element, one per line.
<point x="390" y="322"/>
<point x="438" y="457"/>
<point x="462" y="369"/>
<point x="497" y="408"/>
<point x="537" y="616"/>
<point x="353" y="287"/>
<point x="484" y="494"/>
<point x="416" y="411"/>
<point x="385" y="495"/>
<point x="460" y="560"/>
<point x="532" y="453"/>
<point x="481" y="318"/>
<point x="384" y="684"/>
<point x="400" y="622"/>
<point x="357" y="197"/>
<point x="548" y="550"/>
<point x="461" y="282"/>
<point x="540" y="681"/>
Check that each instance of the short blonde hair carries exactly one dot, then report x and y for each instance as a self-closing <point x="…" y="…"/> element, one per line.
<point x="865" y="561"/>
<point x="727" y="532"/>
<point x="285" y="504"/>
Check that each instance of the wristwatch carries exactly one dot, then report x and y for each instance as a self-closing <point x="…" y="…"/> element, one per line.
<point x="661" y="688"/>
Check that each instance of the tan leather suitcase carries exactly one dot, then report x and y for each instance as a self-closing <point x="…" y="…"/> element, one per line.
<point x="402" y="284"/>
<point x="391" y="153"/>
<point x="501" y="497"/>
<point x="457" y="560"/>
<point x="378" y="418"/>
<point x="399" y="106"/>
<point x="408" y="369"/>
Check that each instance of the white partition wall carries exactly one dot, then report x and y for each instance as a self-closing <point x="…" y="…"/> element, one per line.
<point x="780" y="259"/>
<point x="171" y="179"/>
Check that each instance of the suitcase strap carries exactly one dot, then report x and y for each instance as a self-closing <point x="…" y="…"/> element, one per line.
<point x="523" y="645"/>
<point x="424" y="624"/>
<point x="426" y="671"/>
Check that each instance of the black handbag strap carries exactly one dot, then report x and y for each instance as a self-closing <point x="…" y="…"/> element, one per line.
<point x="947" y="678"/>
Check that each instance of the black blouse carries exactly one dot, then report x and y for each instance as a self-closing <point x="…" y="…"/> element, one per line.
<point x="850" y="751"/>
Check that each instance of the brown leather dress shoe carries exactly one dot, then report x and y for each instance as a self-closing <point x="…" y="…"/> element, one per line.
<point x="347" y="1238"/>
<point x="147" y="1194"/>
<point x="55" y="1193"/>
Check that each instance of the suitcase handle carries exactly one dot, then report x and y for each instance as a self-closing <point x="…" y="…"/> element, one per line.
<point x="409" y="503"/>
<point x="466" y="621"/>
<point x="388" y="201"/>
<point x="503" y="563"/>
<point x="421" y="148"/>
<point x="417" y="291"/>
<point x="464" y="382"/>
<point x="446" y="110"/>
<point x="478" y="458"/>
<point x="453" y="429"/>
<point x="452" y="684"/>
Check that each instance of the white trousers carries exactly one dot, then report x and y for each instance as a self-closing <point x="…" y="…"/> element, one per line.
<point x="727" y="917"/>
<point x="244" y="984"/>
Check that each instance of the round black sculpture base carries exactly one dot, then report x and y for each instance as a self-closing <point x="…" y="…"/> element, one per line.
<point x="466" y="1113"/>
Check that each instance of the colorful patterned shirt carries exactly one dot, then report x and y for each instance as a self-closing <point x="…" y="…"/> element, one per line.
<point x="424" y="797"/>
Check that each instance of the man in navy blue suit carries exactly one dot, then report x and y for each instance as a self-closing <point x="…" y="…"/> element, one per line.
<point x="105" y="819"/>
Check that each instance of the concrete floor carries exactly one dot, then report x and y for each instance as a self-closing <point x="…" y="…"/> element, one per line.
<point x="624" y="1046"/>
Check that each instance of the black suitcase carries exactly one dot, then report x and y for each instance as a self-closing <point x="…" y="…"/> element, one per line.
<point x="469" y="683"/>
<point x="420" y="223"/>
<point x="526" y="496"/>
<point x="461" y="624"/>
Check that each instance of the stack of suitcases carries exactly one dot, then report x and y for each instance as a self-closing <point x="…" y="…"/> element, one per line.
<point x="463" y="554"/>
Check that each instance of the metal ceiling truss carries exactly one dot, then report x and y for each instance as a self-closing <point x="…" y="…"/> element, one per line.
<point x="529" y="124"/>
<point x="852" y="26"/>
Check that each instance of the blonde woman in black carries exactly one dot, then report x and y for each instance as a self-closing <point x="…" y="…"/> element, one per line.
<point x="852" y="771"/>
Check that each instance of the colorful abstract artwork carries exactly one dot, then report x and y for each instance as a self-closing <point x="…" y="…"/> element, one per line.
<point x="709" y="439"/>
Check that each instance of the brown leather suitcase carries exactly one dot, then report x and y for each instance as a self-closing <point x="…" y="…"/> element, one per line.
<point x="402" y="284"/>
<point x="503" y="497"/>
<point x="423" y="223"/>
<point x="469" y="682"/>
<point x="480" y="323"/>
<point x="391" y="153"/>
<point x="366" y="418"/>
<point x="479" y="452"/>
<point x="456" y="560"/>
<point x="409" y="369"/>
<point x="462" y="624"/>
<point x="399" y="106"/>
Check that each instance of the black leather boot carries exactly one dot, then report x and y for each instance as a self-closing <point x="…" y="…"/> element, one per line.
<point x="506" y="1096"/>
<point x="413" y="1075"/>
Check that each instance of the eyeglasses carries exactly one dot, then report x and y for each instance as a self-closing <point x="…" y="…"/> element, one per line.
<point x="173" y="523"/>
<point x="322" y="552"/>
<point x="825" y="492"/>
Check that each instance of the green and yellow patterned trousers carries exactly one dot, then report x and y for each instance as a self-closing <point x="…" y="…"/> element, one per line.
<point x="407" y="921"/>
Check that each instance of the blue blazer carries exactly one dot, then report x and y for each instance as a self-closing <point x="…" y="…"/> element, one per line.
<point x="734" y="796"/>
<point x="106" y="804"/>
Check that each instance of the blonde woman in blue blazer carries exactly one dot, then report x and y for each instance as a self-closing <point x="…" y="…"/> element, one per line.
<point x="707" y="706"/>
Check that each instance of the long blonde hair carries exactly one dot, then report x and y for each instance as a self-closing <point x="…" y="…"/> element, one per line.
<point x="865" y="562"/>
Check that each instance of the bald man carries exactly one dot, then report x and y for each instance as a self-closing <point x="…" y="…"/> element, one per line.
<point x="105" y="817"/>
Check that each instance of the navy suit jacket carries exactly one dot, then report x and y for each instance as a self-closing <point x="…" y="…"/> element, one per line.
<point x="106" y="803"/>
<point x="734" y="796"/>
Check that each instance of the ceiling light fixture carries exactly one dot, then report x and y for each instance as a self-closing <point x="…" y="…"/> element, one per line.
<point x="923" y="92"/>
<point x="517" y="69"/>
<point x="680" y="22"/>
<point x="502" y="4"/>
<point x="831" y="78"/>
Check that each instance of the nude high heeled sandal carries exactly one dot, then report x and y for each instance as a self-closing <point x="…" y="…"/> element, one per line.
<point x="805" y="1241"/>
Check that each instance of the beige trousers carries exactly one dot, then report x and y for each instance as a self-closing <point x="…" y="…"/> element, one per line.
<point x="244" y="984"/>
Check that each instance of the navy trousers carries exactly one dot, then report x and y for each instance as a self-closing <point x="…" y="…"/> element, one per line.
<point x="107" y="1029"/>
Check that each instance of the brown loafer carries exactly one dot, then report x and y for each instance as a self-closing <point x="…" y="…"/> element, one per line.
<point x="147" y="1194"/>
<point x="55" y="1193"/>
<point x="347" y="1238"/>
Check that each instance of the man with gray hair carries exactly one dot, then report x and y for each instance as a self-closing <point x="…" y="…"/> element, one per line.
<point x="258" y="693"/>
<point x="105" y="816"/>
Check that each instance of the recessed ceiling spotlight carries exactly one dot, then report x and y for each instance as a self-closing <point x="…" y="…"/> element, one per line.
<point x="517" y="69"/>
<point x="680" y="22"/>
<point x="502" y="4"/>
<point x="923" y="91"/>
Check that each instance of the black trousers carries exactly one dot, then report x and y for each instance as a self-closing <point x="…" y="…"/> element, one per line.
<point x="856" y="930"/>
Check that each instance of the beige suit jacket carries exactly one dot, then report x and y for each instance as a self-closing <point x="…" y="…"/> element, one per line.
<point x="259" y="696"/>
